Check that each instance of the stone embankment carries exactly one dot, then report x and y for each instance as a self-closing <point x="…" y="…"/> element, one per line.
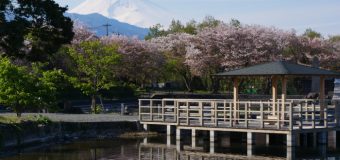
<point x="65" y="127"/>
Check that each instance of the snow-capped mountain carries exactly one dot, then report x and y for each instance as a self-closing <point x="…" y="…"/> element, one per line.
<point x="95" y="22"/>
<point x="141" y="13"/>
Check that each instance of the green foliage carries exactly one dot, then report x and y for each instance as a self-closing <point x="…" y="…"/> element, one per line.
<point x="40" y="119"/>
<point x="190" y="27"/>
<point x="335" y="38"/>
<point x="27" y="88"/>
<point x="16" y="86"/>
<point x="209" y="21"/>
<point x="177" y="27"/>
<point x="98" y="109"/>
<point x="96" y="66"/>
<point x="235" y="23"/>
<point x="311" y="34"/>
<point x="37" y="28"/>
<point x="47" y="87"/>
<point x="155" y="31"/>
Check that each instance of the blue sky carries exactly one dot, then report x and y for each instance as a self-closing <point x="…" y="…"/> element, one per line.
<point x="320" y="15"/>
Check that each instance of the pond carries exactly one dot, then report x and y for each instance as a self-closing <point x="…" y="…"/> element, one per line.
<point x="167" y="148"/>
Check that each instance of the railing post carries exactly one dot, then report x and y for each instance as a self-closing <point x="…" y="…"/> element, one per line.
<point x="313" y="115"/>
<point x="178" y="113"/>
<point x="231" y="114"/>
<point x="201" y="113"/>
<point x="139" y="109"/>
<point x="175" y="111"/>
<point x="151" y="107"/>
<point x="215" y="113"/>
<point x="159" y="111"/>
<point x="188" y="120"/>
<point x="261" y="113"/>
<point x="326" y="115"/>
<point x="246" y="114"/>
<point x="163" y="110"/>
<point x="306" y="113"/>
<point x="336" y="114"/>
<point x="224" y="110"/>
<point x="300" y="116"/>
<point x="291" y="116"/>
<point x="278" y="116"/>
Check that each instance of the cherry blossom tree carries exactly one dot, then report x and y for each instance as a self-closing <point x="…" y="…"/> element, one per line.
<point x="175" y="48"/>
<point x="141" y="61"/>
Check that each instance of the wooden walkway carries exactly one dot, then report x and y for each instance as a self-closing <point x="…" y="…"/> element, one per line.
<point x="291" y="118"/>
<point x="298" y="114"/>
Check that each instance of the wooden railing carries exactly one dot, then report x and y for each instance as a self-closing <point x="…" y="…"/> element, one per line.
<point x="297" y="114"/>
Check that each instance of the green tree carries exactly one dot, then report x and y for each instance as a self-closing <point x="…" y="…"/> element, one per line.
<point x="191" y="27"/>
<point x="311" y="34"/>
<point x="49" y="86"/>
<point x="209" y="21"/>
<point x="156" y="31"/>
<point x="176" y="27"/>
<point x="335" y="38"/>
<point x="235" y="23"/>
<point x="15" y="86"/>
<point x="33" y="29"/>
<point x="95" y="67"/>
<point x="24" y="88"/>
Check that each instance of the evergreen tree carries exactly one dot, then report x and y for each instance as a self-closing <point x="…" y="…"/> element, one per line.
<point x="33" y="29"/>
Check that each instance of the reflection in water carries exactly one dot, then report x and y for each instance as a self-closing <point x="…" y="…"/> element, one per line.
<point x="167" y="148"/>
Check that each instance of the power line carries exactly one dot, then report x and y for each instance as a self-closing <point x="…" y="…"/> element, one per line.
<point x="107" y="25"/>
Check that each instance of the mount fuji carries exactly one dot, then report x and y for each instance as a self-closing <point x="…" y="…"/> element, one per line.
<point x="96" y="23"/>
<point x="142" y="13"/>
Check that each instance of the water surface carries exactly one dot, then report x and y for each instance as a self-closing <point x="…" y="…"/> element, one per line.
<point x="161" y="148"/>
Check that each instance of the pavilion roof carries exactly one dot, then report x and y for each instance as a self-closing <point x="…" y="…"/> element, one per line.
<point x="279" y="68"/>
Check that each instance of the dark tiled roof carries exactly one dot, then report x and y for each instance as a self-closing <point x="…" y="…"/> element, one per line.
<point x="279" y="68"/>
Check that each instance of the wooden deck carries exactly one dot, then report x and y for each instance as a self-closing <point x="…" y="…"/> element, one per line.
<point x="297" y="115"/>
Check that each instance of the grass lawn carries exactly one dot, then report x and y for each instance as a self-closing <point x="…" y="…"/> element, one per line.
<point x="7" y="119"/>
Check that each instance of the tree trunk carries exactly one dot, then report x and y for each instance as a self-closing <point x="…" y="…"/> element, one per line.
<point x="215" y="84"/>
<point x="93" y="104"/>
<point x="187" y="82"/>
<point x="18" y="114"/>
<point x="17" y="109"/>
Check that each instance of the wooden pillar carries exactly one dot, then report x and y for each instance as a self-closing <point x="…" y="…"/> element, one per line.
<point x="283" y="97"/>
<point x="235" y="98"/>
<point x="145" y="127"/>
<point x="250" y="149"/>
<point x="193" y="138"/>
<point x="168" y="130"/>
<point x="250" y="138"/>
<point x="212" y="136"/>
<point x="291" y="139"/>
<point x="168" y="141"/>
<point x="212" y="141"/>
<point x="291" y="153"/>
<point x="322" y="98"/>
<point x="332" y="139"/>
<point x="274" y="94"/>
<point x="178" y="134"/>
<point x="267" y="139"/>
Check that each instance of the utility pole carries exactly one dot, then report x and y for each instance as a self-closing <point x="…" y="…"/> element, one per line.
<point x="107" y="25"/>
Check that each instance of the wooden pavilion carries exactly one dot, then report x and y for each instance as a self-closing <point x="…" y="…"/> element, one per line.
<point x="279" y="70"/>
<point x="291" y="117"/>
